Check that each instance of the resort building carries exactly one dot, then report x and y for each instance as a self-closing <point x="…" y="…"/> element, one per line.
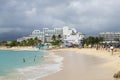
<point x="110" y="37"/>
<point x="68" y="31"/>
<point x="49" y="33"/>
<point x="74" y="39"/>
<point x="35" y="33"/>
<point x="45" y="35"/>
<point x="69" y="35"/>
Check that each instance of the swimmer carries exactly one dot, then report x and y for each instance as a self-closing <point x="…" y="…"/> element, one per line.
<point x="24" y="60"/>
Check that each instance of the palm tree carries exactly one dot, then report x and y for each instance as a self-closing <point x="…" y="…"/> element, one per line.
<point x="54" y="38"/>
<point x="4" y="43"/>
<point x="24" y="43"/>
<point x="117" y="40"/>
<point x="30" y="42"/>
<point x="97" y="42"/>
<point x="36" y="41"/>
<point x="39" y="42"/>
<point x="101" y="39"/>
<point x="90" y="40"/>
<point x="59" y="37"/>
<point x="13" y="43"/>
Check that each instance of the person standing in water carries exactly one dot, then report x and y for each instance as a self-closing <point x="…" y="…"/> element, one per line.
<point x="34" y="58"/>
<point x="24" y="60"/>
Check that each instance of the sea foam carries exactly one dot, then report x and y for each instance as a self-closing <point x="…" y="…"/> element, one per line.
<point x="39" y="71"/>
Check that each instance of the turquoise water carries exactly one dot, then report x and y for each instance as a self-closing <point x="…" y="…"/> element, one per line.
<point x="11" y="60"/>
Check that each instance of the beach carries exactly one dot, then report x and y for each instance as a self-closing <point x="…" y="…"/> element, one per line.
<point x="25" y="63"/>
<point x="29" y="48"/>
<point x="86" y="64"/>
<point x="75" y="64"/>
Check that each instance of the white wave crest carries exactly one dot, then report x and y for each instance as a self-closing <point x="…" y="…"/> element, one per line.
<point x="35" y="72"/>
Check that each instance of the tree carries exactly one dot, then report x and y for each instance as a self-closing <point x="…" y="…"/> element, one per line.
<point x="4" y="43"/>
<point x="101" y="39"/>
<point x="117" y="39"/>
<point x="93" y="40"/>
<point x="30" y="42"/>
<point x="59" y="37"/>
<point x="57" y="41"/>
<point x="97" y="40"/>
<point x="40" y="42"/>
<point x="90" y="40"/>
<point x="53" y="37"/>
<point x="23" y="43"/>
<point x="13" y="43"/>
<point x="36" y="41"/>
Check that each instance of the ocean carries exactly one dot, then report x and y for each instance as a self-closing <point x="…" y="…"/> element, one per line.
<point x="27" y="65"/>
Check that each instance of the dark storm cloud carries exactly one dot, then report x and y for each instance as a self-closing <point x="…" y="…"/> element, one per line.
<point x="88" y="16"/>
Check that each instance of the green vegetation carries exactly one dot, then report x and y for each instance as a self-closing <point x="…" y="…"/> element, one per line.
<point x="28" y="42"/>
<point x="56" y="40"/>
<point x="93" y="40"/>
<point x="117" y="39"/>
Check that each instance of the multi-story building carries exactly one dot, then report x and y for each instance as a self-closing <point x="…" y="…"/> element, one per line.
<point x="35" y="33"/>
<point x="68" y="31"/>
<point x="49" y="33"/>
<point x="69" y="35"/>
<point x="74" y="39"/>
<point x="45" y="35"/>
<point x="110" y="37"/>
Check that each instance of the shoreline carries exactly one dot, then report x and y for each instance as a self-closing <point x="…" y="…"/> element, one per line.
<point x="51" y="64"/>
<point x="29" y="48"/>
<point x="112" y="62"/>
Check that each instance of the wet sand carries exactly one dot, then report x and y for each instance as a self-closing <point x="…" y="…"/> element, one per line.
<point x="85" y="64"/>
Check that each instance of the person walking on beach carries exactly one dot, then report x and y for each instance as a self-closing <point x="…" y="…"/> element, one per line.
<point x="111" y="49"/>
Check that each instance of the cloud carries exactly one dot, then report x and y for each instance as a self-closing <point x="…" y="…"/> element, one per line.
<point x="88" y="16"/>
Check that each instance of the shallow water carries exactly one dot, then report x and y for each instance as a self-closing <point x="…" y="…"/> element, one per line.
<point x="34" y="65"/>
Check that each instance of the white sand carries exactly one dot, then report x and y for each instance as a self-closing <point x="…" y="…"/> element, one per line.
<point x="18" y="48"/>
<point x="73" y="70"/>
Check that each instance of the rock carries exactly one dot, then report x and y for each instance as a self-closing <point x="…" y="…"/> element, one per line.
<point x="117" y="75"/>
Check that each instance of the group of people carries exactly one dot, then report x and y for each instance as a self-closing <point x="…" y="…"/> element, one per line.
<point x="25" y="60"/>
<point x="110" y="48"/>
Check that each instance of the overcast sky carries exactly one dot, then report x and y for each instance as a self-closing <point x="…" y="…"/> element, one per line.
<point x="19" y="17"/>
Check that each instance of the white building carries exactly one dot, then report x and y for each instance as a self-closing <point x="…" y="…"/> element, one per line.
<point x="49" y="33"/>
<point x="69" y="35"/>
<point x="68" y="31"/>
<point x="74" y="39"/>
<point x="45" y="35"/>
<point x="110" y="37"/>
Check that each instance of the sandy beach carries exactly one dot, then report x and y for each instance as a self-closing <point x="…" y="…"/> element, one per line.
<point x="86" y="64"/>
<point x="18" y="48"/>
<point x="82" y="64"/>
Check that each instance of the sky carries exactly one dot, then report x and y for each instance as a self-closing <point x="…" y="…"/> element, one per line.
<point x="20" y="17"/>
